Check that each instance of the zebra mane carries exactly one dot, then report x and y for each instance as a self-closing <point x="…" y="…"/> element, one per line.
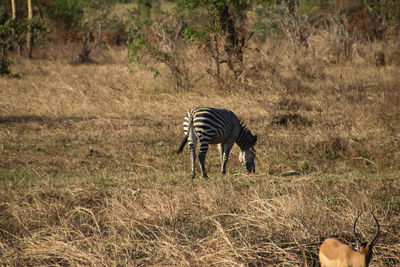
<point x="244" y="127"/>
<point x="245" y="133"/>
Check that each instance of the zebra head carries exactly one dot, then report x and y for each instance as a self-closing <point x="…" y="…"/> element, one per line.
<point x="247" y="156"/>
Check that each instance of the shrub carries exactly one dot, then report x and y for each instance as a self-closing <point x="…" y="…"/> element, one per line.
<point x="68" y="12"/>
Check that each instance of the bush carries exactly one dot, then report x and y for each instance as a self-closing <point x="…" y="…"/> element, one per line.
<point x="68" y="12"/>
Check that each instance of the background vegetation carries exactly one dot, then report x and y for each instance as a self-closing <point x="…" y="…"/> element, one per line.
<point x="89" y="126"/>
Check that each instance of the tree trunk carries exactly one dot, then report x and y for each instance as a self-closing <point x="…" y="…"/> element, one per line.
<point x="30" y="30"/>
<point x="83" y="57"/>
<point x="14" y="9"/>
<point x="234" y="44"/>
<point x="13" y="33"/>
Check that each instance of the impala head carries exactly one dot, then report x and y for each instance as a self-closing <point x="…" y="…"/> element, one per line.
<point x="247" y="156"/>
<point x="365" y="248"/>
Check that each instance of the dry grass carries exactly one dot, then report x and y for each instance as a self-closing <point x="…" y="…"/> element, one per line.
<point x="88" y="176"/>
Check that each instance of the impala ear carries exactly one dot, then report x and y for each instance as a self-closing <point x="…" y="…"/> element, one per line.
<point x="254" y="139"/>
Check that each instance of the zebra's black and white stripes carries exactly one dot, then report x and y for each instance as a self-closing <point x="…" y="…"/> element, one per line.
<point x="217" y="126"/>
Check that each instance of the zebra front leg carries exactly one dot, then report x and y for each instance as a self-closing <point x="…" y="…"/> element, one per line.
<point x="227" y="146"/>
<point x="192" y="148"/>
<point x="202" y="158"/>
<point x="221" y="153"/>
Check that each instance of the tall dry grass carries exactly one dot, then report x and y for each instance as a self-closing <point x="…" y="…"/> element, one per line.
<point x="88" y="175"/>
<point x="269" y="221"/>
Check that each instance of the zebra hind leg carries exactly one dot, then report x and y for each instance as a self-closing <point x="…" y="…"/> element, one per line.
<point x="192" y="148"/>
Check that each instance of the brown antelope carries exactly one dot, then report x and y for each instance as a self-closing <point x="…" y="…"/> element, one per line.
<point x="334" y="253"/>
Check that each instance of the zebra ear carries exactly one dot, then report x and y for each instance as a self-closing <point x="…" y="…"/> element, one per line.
<point x="254" y="139"/>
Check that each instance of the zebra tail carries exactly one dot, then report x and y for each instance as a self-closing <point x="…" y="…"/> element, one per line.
<point x="184" y="141"/>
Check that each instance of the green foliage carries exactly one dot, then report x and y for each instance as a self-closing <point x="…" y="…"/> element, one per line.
<point x="268" y="16"/>
<point x="11" y="32"/>
<point x="6" y="30"/>
<point x="192" y="4"/>
<point x="74" y="13"/>
<point x="274" y="17"/>
<point x="139" y="43"/>
<point x="204" y="16"/>
<point x="136" y="44"/>
<point x="201" y="20"/>
<point x="192" y="33"/>
<point x="137" y="38"/>
<point x="212" y="22"/>
<point x="144" y="8"/>
<point x="6" y="33"/>
<point x="312" y="7"/>
<point x="70" y="12"/>
<point x="4" y="67"/>
<point x="35" y="24"/>
<point x="388" y="11"/>
<point x="146" y="44"/>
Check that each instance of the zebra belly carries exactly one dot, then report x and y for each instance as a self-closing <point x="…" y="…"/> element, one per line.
<point x="218" y="140"/>
<point x="211" y="137"/>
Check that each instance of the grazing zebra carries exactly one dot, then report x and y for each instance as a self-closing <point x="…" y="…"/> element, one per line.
<point x="217" y="126"/>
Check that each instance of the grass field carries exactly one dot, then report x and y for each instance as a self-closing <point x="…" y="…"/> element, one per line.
<point x="88" y="173"/>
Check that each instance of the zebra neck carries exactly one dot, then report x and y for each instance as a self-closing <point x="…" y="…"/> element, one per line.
<point x="244" y="138"/>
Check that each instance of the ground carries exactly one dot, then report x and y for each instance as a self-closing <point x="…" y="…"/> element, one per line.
<point x="88" y="173"/>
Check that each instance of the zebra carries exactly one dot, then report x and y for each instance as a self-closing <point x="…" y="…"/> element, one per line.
<point x="217" y="126"/>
